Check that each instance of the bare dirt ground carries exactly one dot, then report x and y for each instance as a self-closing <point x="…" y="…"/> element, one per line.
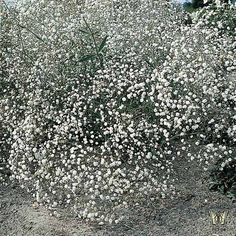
<point x="185" y="215"/>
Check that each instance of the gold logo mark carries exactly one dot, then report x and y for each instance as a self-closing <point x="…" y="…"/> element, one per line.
<point x="218" y="218"/>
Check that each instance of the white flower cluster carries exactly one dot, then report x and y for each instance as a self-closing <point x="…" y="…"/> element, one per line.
<point x="96" y="128"/>
<point x="219" y="17"/>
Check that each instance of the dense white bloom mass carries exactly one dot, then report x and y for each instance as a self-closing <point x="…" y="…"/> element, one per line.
<point x="98" y="102"/>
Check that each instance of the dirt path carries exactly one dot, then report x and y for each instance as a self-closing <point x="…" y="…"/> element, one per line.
<point x="186" y="215"/>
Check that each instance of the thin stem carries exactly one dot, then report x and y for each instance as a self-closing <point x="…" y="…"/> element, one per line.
<point x="95" y="44"/>
<point x="22" y="26"/>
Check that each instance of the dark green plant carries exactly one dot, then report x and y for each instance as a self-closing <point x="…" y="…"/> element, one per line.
<point x="197" y="3"/>
<point x="188" y="7"/>
<point x="223" y="179"/>
<point x="96" y="56"/>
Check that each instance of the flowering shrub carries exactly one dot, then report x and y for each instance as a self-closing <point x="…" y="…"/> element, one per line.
<point x="221" y="17"/>
<point x="5" y="86"/>
<point x="101" y="100"/>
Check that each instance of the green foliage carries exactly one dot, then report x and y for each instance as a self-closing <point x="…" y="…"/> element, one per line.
<point x="223" y="18"/>
<point x="188" y="7"/>
<point x="103" y="43"/>
<point x="223" y="178"/>
<point x="197" y="3"/>
<point x="96" y="56"/>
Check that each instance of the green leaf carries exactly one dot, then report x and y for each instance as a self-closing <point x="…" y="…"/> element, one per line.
<point x="213" y="186"/>
<point x="103" y="43"/>
<point x="83" y="31"/>
<point x="86" y="58"/>
<point x="233" y="189"/>
<point x="231" y="195"/>
<point x="149" y="63"/>
<point x="221" y="189"/>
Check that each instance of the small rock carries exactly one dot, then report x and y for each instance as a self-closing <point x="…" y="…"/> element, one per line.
<point x="35" y="205"/>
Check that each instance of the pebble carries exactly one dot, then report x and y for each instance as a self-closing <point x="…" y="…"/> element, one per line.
<point x="35" y="205"/>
